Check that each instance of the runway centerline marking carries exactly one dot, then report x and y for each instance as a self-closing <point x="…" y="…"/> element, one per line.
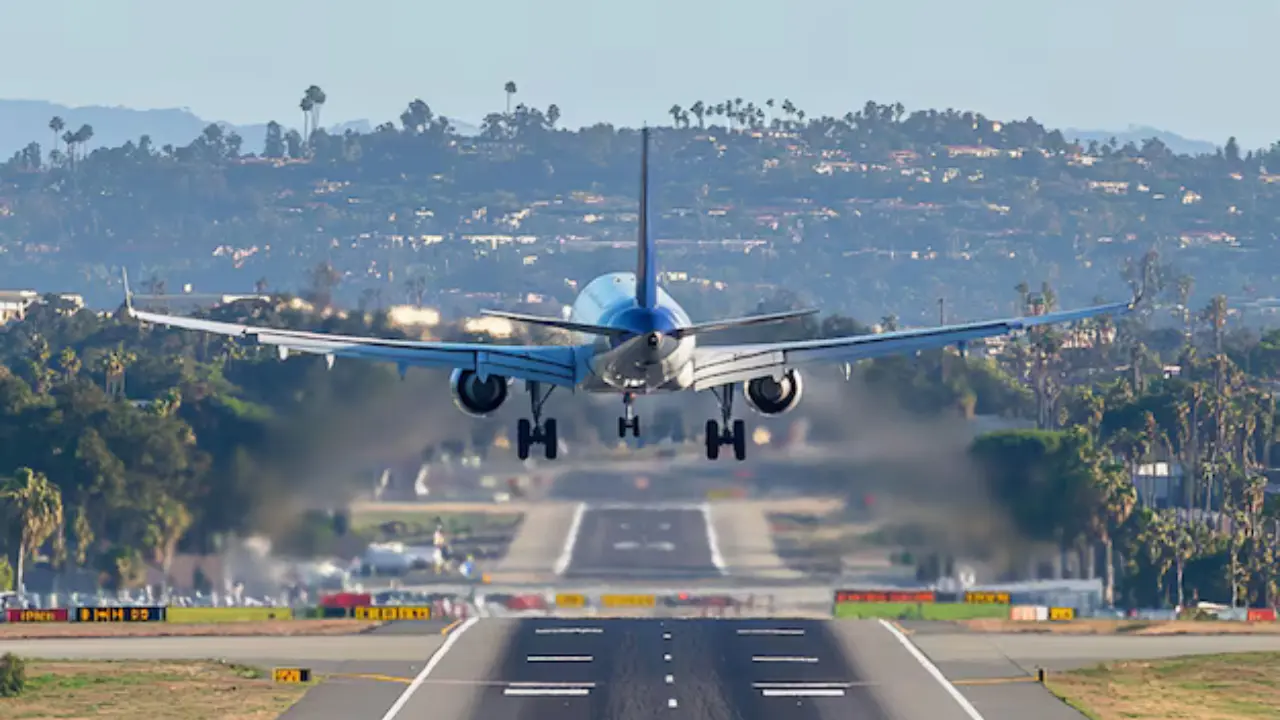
<point x="569" y="631"/>
<point x="933" y="670"/>
<point x="558" y="658"/>
<point x="547" y="691"/>
<point x="712" y="543"/>
<point x="566" y="555"/>
<point x="535" y="684"/>
<point x="769" y="631"/>
<point x="421" y="677"/>
<point x="783" y="658"/>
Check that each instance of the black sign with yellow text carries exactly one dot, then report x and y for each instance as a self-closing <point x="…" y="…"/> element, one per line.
<point x="120" y="614"/>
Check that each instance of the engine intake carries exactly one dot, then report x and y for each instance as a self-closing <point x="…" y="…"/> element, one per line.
<point x="477" y="398"/>
<point x="769" y="396"/>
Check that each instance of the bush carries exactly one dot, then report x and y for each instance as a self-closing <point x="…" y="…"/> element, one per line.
<point x="13" y="675"/>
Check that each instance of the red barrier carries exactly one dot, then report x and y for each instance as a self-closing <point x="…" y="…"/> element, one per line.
<point x="14" y="615"/>
<point x="527" y="602"/>
<point x="1261" y="615"/>
<point x="346" y="600"/>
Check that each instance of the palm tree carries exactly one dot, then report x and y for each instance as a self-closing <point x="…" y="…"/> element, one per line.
<point x="36" y="505"/>
<point x="510" y="90"/>
<point x="69" y="363"/>
<point x="306" y="105"/>
<point x="56" y="125"/>
<point x="317" y="98"/>
<point x="169" y="522"/>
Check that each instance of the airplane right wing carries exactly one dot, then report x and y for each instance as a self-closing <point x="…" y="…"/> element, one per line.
<point x="718" y="365"/>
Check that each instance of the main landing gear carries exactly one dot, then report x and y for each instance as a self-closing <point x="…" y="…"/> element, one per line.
<point x="629" y="420"/>
<point x="537" y="431"/>
<point x="717" y="437"/>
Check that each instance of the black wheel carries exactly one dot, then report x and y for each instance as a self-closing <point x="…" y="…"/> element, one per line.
<point x="622" y="427"/>
<point x="635" y="427"/>
<point x="524" y="431"/>
<point x="550" y="442"/>
<point x="713" y="440"/>
<point x="740" y="439"/>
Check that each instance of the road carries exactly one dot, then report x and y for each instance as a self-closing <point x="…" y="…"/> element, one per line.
<point x="642" y="542"/>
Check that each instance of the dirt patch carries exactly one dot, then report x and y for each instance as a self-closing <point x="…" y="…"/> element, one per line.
<point x="174" y="690"/>
<point x="1124" y="627"/>
<point x="20" y="631"/>
<point x="1210" y="687"/>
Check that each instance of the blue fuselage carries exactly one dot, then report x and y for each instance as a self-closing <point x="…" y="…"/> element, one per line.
<point x="646" y="358"/>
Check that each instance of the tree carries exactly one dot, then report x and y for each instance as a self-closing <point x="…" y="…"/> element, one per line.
<point x="170" y="521"/>
<point x="56" y="124"/>
<point x="35" y="505"/>
<point x="313" y="100"/>
<point x="274" y="146"/>
<point x="510" y="89"/>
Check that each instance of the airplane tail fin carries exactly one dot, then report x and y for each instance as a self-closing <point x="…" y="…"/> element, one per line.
<point x="646" y="265"/>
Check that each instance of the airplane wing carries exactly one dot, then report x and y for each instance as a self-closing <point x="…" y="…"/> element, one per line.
<point x="555" y="364"/>
<point x="723" y="364"/>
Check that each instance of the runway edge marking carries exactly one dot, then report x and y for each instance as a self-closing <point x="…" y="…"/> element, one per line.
<point x="566" y="555"/>
<point x="436" y="657"/>
<point x="713" y="543"/>
<point x="933" y="670"/>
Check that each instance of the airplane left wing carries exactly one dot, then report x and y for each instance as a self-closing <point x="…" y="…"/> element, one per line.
<point x="562" y="365"/>
<point x="723" y="364"/>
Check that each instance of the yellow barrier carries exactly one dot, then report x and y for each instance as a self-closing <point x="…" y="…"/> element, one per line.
<point x="289" y="675"/>
<point x="226" y="614"/>
<point x="571" y="601"/>
<point x="619" y="601"/>
<point x="1062" y="613"/>
<point x="392" y="613"/>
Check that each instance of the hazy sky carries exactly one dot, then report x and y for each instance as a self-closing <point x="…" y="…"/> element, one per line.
<point x="1202" y="69"/>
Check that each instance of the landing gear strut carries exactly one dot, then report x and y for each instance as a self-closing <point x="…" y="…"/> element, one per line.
<point x="628" y="421"/>
<point x="716" y="437"/>
<point x="537" y="432"/>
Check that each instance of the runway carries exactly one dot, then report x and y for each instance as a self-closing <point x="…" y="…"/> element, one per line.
<point x="642" y="542"/>
<point x="616" y="669"/>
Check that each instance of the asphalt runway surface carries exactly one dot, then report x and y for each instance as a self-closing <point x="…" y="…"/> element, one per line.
<point x="643" y="542"/>
<point x="624" y="669"/>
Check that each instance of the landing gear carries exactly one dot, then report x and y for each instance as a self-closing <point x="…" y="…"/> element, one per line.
<point x="716" y="437"/>
<point x="537" y="431"/>
<point x="628" y="421"/>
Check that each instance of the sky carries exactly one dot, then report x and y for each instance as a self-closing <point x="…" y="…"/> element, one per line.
<point x="1201" y="69"/>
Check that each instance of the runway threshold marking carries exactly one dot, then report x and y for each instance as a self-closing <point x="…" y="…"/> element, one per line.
<point x="547" y="691"/>
<point x="933" y="670"/>
<point x="421" y="677"/>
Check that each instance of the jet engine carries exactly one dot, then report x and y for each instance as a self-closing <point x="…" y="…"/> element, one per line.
<point x="477" y="398"/>
<point x="771" y="396"/>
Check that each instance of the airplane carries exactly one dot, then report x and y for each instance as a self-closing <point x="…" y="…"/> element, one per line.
<point x="630" y="338"/>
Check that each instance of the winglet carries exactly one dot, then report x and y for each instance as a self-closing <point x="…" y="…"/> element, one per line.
<point x="128" y="294"/>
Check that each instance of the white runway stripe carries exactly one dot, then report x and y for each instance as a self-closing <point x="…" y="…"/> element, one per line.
<point x="570" y="631"/>
<point x="770" y="631"/>
<point x="547" y="692"/>
<point x="782" y="658"/>
<point x="559" y="658"/>
<point x="802" y="692"/>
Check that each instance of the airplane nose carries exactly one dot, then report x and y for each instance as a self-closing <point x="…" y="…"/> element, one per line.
<point x="655" y="339"/>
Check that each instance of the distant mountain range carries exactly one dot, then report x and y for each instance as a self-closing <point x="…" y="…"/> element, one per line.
<point x="22" y="121"/>
<point x="1138" y="133"/>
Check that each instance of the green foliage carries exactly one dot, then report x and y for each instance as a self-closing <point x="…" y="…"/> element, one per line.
<point x="6" y="575"/>
<point x="13" y="675"/>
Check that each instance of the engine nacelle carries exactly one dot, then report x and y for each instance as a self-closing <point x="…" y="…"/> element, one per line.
<point x="769" y="396"/>
<point x="477" y="398"/>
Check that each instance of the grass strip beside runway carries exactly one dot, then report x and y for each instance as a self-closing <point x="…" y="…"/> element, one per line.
<point x="919" y="611"/>
<point x="1212" y="687"/>
<point x="167" y="689"/>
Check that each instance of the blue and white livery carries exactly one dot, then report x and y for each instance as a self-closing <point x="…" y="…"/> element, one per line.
<point x="632" y="338"/>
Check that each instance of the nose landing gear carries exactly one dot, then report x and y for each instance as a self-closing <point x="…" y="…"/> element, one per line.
<point x="629" y="420"/>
